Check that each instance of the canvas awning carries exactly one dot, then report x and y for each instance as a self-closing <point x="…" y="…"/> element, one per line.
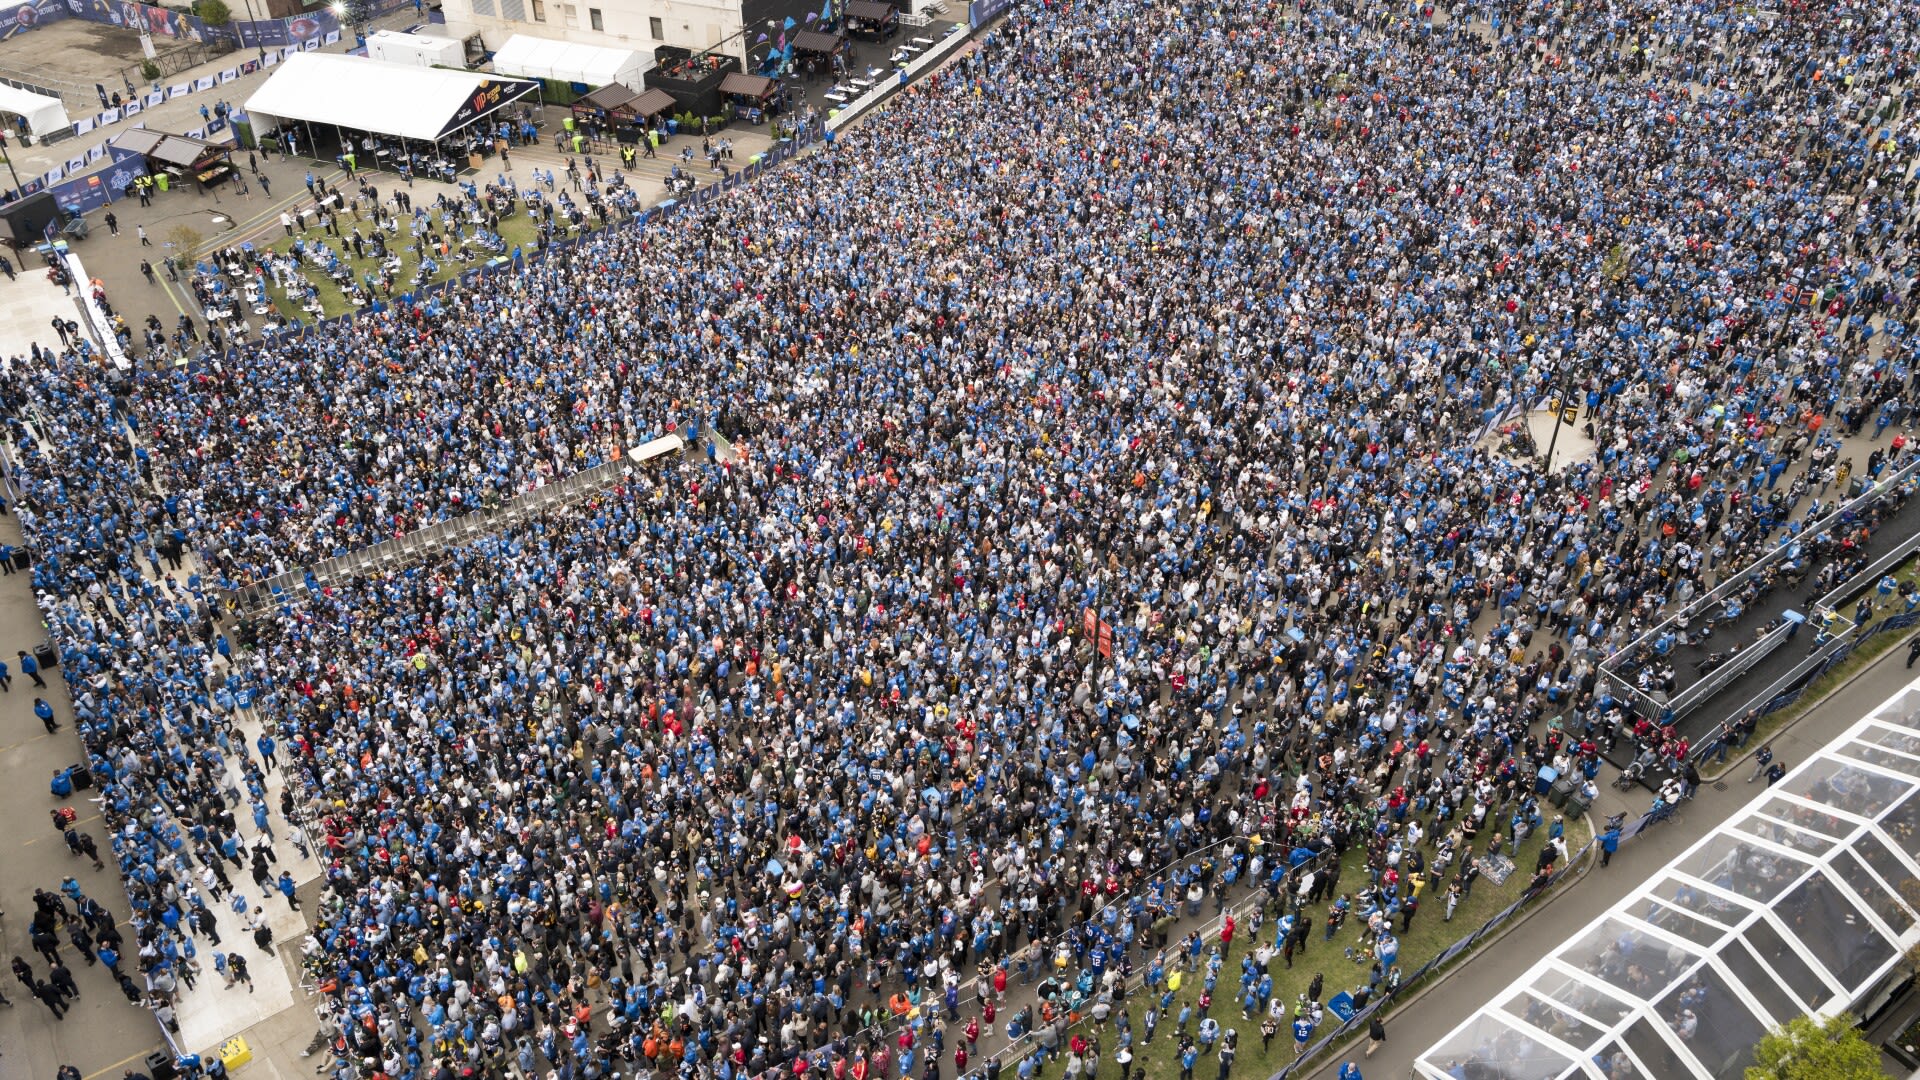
<point x="352" y="92"/>
<point x="752" y="86"/>
<point x="567" y="61"/>
<point x="43" y="114"/>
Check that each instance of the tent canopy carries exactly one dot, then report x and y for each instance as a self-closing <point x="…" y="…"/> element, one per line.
<point x="817" y="42"/>
<point x="141" y="141"/>
<point x="751" y="86"/>
<point x="389" y="99"/>
<point x="565" y="61"/>
<point x="610" y="98"/>
<point x="652" y="103"/>
<point x="42" y="113"/>
<point x="182" y="151"/>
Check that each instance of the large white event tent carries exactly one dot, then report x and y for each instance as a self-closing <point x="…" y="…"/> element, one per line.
<point x="566" y="61"/>
<point x="43" y="114"/>
<point x="1803" y="902"/>
<point x="353" y="94"/>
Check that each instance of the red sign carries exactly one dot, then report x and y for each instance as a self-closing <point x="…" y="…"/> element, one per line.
<point x="1087" y="621"/>
<point x="1106" y="640"/>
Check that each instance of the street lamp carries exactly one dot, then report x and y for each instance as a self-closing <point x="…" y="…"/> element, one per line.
<point x="255" y="23"/>
<point x="6" y="151"/>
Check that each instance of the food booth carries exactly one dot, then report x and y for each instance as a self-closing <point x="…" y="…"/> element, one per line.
<point x="181" y="157"/>
<point x="752" y="97"/>
<point x="870" y="20"/>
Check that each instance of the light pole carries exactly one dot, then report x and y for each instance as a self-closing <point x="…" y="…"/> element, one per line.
<point x="6" y="149"/>
<point x="254" y="22"/>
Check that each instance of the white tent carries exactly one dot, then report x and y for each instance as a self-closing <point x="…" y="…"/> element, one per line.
<point x="564" y="61"/>
<point x="357" y="94"/>
<point x="42" y="113"/>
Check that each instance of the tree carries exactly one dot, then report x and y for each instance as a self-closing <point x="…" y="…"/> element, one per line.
<point x="1807" y="1049"/>
<point x="185" y="241"/>
<point x="213" y="12"/>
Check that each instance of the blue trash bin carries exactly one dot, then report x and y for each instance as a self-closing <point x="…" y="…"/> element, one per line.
<point x="1544" y="782"/>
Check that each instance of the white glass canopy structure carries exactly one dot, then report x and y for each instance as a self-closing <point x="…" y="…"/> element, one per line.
<point x="1803" y="902"/>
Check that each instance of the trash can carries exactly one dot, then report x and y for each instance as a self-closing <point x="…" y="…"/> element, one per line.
<point x="46" y="656"/>
<point x="1557" y="794"/>
<point x="1543" y="782"/>
<point x="22" y="559"/>
<point x="1576" y="805"/>
<point x="160" y="1065"/>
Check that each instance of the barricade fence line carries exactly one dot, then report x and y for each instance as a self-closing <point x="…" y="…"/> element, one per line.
<point x="1778" y="552"/>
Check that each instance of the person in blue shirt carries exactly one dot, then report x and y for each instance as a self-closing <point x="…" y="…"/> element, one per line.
<point x="1302" y="1031"/>
<point x="31" y="668"/>
<point x="45" y="712"/>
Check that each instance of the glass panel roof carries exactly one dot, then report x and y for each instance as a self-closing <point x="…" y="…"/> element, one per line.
<point x="1741" y="868"/>
<point x="1712" y="1022"/>
<point x="1616" y="1064"/>
<point x="1628" y="958"/>
<point x="1843" y="786"/>
<point x="1584" y="996"/>
<point x="1795" y="974"/>
<point x="1833" y="930"/>
<point x="1489" y="1046"/>
<point x="1802" y="901"/>
<point x="1547" y="1016"/>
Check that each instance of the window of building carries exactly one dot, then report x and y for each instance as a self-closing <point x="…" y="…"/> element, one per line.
<point x="570" y="14"/>
<point x="658" y="31"/>
<point x="539" y="11"/>
<point x="593" y="16"/>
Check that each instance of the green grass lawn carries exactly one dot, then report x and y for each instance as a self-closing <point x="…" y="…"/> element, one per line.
<point x="1429" y="936"/>
<point x="518" y="231"/>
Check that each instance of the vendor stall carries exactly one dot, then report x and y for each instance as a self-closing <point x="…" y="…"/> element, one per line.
<point x="751" y="97"/>
<point x="814" y="45"/>
<point x="183" y="158"/>
<point x="871" y="21"/>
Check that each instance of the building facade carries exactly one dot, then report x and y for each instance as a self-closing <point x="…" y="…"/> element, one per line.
<point x="728" y="26"/>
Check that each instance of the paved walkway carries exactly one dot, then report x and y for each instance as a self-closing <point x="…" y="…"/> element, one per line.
<point x="26" y="53"/>
<point x="28" y="306"/>
<point x="103" y="1035"/>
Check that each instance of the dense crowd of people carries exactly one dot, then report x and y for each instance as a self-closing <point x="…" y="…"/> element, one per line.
<point x="1198" y="350"/>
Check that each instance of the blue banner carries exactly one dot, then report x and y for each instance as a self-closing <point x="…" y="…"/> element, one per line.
<point x="982" y="12"/>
